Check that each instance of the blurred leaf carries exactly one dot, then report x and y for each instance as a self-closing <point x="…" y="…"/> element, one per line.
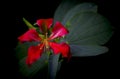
<point x="63" y="8"/>
<point x="35" y="67"/>
<point x="87" y="50"/>
<point x="54" y="65"/>
<point x="83" y="7"/>
<point x="89" y="28"/>
<point x="28" y="23"/>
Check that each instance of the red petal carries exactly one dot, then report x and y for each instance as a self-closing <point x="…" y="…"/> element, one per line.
<point x="65" y="49"/>
<point x="30" y="35"/>
<point x="58" y="31"/>
<point x="55" y="47"/>
<point x="62" y="48"/>
<point x="34" y="53"/>
<point x="44" y="23"/>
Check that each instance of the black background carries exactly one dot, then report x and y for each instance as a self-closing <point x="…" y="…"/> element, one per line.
<point x="101" y="66"/>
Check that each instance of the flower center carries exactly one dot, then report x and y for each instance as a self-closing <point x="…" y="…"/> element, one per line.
<point x="45" y="42"/>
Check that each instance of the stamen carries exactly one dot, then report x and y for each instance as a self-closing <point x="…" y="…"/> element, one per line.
<point x="41" y="46"/>
<point x="46" y="43"/>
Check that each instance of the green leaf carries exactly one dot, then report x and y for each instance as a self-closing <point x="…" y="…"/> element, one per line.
<point x="87" y="50"/>
<point x="89" y="28"/>
<point x="54" y="65"/>
<point x="83" y="7"/>
<point x="63" y="8"/>
<point x="32" y="70"/>
<point x="28" y="24"/>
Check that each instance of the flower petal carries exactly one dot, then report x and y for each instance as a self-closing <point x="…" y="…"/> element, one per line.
<point x="62" y="48"/>
<point x="58" y="31"/>
<point x="55" y="47"/>
<point x="65" y="50"/>
<point x="34" y="53"/>
<point x="30" y="35"/>
<point x="44" y="24"/>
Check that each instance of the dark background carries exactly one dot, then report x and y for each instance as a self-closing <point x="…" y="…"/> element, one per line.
<point x="101" y="66"/>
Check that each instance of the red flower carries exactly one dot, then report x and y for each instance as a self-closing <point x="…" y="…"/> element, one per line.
<point x="46" y="43"/>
